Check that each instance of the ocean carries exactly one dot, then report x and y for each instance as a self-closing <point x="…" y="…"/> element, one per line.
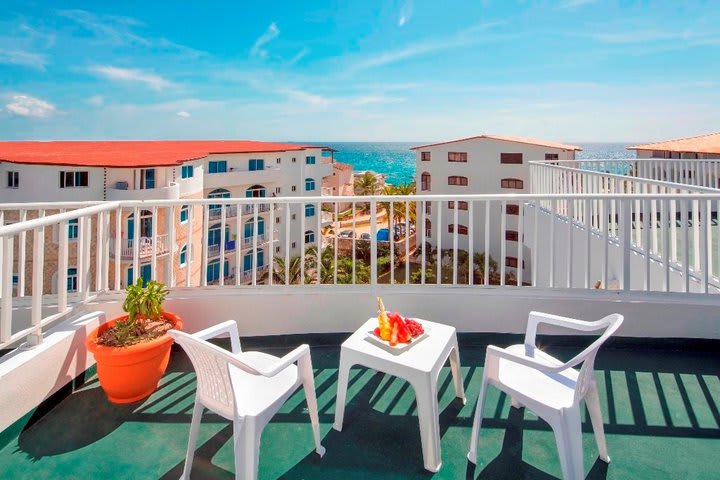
<point x="397" y="161"/>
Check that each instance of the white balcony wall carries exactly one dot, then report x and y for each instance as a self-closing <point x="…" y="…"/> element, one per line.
<point x="171" y="192"/>
<point x="41" y="183"/>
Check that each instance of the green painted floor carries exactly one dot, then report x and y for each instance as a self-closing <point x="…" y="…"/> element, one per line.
<point x="660" y="405"/>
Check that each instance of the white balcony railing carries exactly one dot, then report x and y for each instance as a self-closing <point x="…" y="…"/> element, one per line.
<point x="664" y="241"/>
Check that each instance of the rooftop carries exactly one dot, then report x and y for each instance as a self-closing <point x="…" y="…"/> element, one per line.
<point x="508" y="138"/>
<point x="132" y="153"/>
<point x="708" y="143"/>
<point x="660" y="407"/>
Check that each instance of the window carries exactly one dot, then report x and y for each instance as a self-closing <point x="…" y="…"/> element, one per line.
<point x="424" y="156"/>
<point x="250" y="226"/>
<point x="293" y="188"/>
<point x="514" y="158"/>
<point x="257" y="164"/>
<point x="293" y="245"/>
<point x="552" y="156"/>
<point x="278" y="160"/>
<point x="186" y="171"/>
<point x="183" y="256"/>
<point x="147" y="178"/>
<point x="309" y="236"/>
<point x="292" y="217"/>
<point x="218" y="193"/>
<point x="73" y="229"/>
<point x="309" y="184"/>
<point x="511" y="235"/>
<point x="217" y="166"/>
<point x="73" y="179"/>
<point x="425" y="181"/>
<point x="512" y="209"/>
<point x="513" y="262"/>
<point x="457" y="180"/>
<point x="428" y="208"/>
<point x="457" y="156"/>
<point x="462" y="229"/>
<point x="309" y="160"/>
<point x="511" y="183"/>
<point x="461" y="205"/>
<point x="293" y="159"/>
<point x="309" y="210"/>
<point x="72" y="280"/>
<point x="278" y="189"/>
<point x="277" y="219"/>
<point x="428" y="228"/>
<point x="256" y="191"/>
<point x="184" y="213"/>
<point x="277" y="249"/>
<point x="13" y="179"/>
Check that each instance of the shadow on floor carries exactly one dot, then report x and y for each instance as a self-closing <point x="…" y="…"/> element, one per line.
<point x="509" y="463"/>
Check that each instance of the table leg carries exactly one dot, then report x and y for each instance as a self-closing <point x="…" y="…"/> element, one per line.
<point x="457" y="376"/>
<point x="343" y="374"/>
<point x="429" y="418"/>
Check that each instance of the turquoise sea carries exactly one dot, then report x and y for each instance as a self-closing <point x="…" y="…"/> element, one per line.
<point x="397" y="161"/>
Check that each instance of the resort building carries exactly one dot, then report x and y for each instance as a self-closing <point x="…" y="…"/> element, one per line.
<point x="66" y="173"/>
<point x="692" y="148"/>
<point x="340" y="183"/>
<point x="484" y="164"/>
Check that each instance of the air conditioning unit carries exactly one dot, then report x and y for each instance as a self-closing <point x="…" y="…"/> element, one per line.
<point x="121" y="185"/>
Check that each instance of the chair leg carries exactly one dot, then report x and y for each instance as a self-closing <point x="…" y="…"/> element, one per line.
<point x="477" y="421"/>
<point x="592" y="401"/>
<point x="568" y="436"/>
<point x="343" y="374"/>
<point x="246" y="441"/>
<point x="308" y="380"/>
<point x="457" y="376"/>
<point x="192" y="440"/>
<point x="515" y="404"/>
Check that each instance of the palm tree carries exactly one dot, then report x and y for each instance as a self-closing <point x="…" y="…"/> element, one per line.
<point x="365" y="184"/>
<point x="293" y="270"/>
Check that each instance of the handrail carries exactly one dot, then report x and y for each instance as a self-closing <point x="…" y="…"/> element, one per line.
<point x="20" y="227"/>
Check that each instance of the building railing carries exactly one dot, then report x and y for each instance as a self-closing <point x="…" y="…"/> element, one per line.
<point x="146" y="247"/>
<point x="608" y="240"/>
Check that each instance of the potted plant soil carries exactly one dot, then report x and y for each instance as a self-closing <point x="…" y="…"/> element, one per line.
<point x="132" y="351"/>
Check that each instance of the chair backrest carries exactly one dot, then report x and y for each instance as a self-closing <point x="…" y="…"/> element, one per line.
<point x="211" y="364"/>
<point x="587" y="372"/>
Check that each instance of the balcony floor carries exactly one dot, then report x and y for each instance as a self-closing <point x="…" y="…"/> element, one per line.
<point x="660" y="405"/>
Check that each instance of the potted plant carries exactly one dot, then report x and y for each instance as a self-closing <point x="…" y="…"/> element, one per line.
<point x="133" y="350"/>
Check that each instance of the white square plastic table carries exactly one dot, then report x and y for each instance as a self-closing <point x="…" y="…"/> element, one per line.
<point x="419" y="364"/>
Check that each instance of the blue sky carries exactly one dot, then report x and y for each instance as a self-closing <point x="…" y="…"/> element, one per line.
<point x="571" y="70"/>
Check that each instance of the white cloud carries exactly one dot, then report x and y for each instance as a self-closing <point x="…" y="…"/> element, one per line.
<point x="95" y="100"/>
<point x="23" y="58"/>
<point x="308" y="98"/>
<point x="461" y="38"/>
<point x="269" y="35"/>
<point x="406" y="11"/>
<point x="130" y="75"/>
<point x="576" y="3"/>
<point x="27" y="106"/>
<point x="299" y="56"/>
<point x="183" y="114"/>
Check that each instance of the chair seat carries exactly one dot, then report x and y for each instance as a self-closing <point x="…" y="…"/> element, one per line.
<point x="555" y="390"/>
<point x="260" y="392"/>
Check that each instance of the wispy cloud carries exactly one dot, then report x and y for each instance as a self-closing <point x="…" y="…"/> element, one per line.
<point x="469" y="36"/>
<point x="131" y="75"/>
<point x="576" y="3"/>
<point x="269" y="35"/>
<point x="183" y="114"/>
<point x="27" y="106"/>
<point x="299" y="56"/>
<point x="23" y="59"/>
<point x="406" y="11"/>
<point x="311" y="99"/>
<point x="95" y="101"/>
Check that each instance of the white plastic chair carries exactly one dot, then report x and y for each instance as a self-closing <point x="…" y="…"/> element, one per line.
<point x="247" y="388"/>
<point x="550" y="388"/>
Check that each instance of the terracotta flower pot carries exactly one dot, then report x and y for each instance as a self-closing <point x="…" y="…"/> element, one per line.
<point x="129" y="374"/>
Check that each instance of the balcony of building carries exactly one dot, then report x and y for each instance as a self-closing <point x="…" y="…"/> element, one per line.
<point x="235" y="177"/>
<point x="583" y="257"/>
<point x="122" y="191"/>
<point x="146" y="247"/>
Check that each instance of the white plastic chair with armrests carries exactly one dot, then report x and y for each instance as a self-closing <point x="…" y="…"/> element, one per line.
<point x="245" y="387"/>
<point x="550" y="388"/>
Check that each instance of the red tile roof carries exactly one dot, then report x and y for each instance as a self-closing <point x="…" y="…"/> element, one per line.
<point x="131" y="153"/>
<point x="509" y="138"/>
<point x="709" y="143"/>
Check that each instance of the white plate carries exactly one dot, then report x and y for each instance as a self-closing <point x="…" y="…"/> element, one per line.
<point x="400" y="347"/>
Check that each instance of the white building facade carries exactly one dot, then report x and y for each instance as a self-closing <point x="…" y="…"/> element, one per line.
<point x="485" y="164"/>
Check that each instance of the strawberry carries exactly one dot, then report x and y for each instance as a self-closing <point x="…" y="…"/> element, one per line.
<point x="377" y="331"/>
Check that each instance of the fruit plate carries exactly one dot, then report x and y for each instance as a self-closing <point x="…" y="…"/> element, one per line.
<point x="400" y="347"/>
